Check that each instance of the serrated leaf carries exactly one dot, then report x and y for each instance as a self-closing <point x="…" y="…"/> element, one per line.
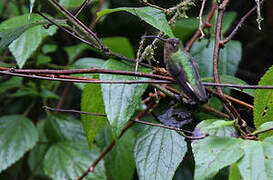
<point x="214" y="153"/>
<point x="226" y="79"/>
<point x="229" y="57"/>
<point x="120" y="100"/>
<point x="215" y="127"/>
<point x="92" y="101"/>
<point x="29" y="38"/>
<point x="263" y="102"/>
<point x="68" y="160"/>
<point x="119" y="161"/>
<point x="18" y="135"/>
<point x="158" y="153"/>
<point x="60" y="127"/>
<point x="252" y="165"/>
<point x="120" y="45"/>
<point x="152" y="16"/>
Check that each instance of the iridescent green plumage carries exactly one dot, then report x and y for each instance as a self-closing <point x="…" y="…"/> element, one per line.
<point x="184" y="70"/>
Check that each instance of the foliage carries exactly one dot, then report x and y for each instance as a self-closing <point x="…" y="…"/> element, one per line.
<point x="54" y="145"/>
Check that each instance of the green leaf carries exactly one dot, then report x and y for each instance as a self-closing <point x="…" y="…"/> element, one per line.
<point x="92" y="101"/>
<point x="252" y="165"/>
<point x="71" y="3"/>
<point x="13" y="82"/>
<point x="28" y="38"/>
<point x="234" y="173"/>
<point x="42" y="59"/>
<point x="185" y="27"/>
<point x="214" y="153"/>
<point x="228" y="19"/>
<point x="229" y="57"/>
<point x="49" y="48"/>
<point x="158" y="153"/>
<point x="18" y="135"/>
<point x="37" y="154"/>
<point x="68" y="160"/>
<point x="74" y="51"/>
<point x="120" y="45"/>
<point x="263" y="102"/>
<point x="120" y="100"/>
<point x="215" y="127"/>
<point x="119" y="161"/>
<point x="60" y="127"/>
<point x="87" y="62"/>
<point x="152" y="16"/>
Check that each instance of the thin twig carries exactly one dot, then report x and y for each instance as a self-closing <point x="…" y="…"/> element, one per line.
<point x="64" y="95"/>
<point x="87" y="71"/>
<point x="206" y="24"/>
<point x="171" y="128"/>
<point x="71" y="111"/>
<point x="263" y="131"/>
<point x="240" y="23"/>
<point x="83" y="80"/>
<point x="84" y="4"/>
<point x="237" y="101"/>
<point x="200" y="19"/>
<point x="67" y="31"/>
<point x="74" y="20"/>
<point x="93" y="22"/>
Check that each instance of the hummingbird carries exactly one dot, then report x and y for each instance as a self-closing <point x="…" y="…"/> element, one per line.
<point x="184" y="70"/>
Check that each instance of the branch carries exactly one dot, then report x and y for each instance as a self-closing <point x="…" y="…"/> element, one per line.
<point x="86" y="71"/>
<point x="200" y="19"/>
<point x="263" y="131"/>
<point x="204" y="25"/>
<point x="71" y="111"/>
<point x="74" y="79"/>
<point x="242" y="20"/>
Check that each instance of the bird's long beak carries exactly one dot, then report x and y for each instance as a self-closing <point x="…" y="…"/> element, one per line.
<point x="156" y="37"/>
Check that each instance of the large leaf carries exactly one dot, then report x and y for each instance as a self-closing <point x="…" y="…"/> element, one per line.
<point x="185" y="27"/>
<point x="253" y="165"/>
<point x="120" y="45"/>
<point x="228" y="19"/>
<point x="18" y="135"/>
<point x="92" y="101"/>
<point x="62" y="127"/>
<point x="68" y="160"/>
<point x="152" y="16"/>
<point x="214" y="153"/>
<point x="119" y="161"/>
<point x="229" y="57"/>
<point x="215" y="127"/>
<point x="28" y="37"/>
<point x="120" y="100"/>
<point x="263" y="102"/>
<point x="158" y="153"/>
